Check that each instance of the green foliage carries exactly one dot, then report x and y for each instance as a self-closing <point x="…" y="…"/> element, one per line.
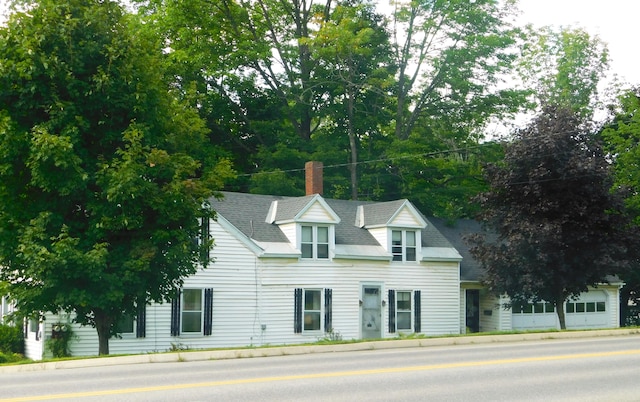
<point x="61" y="337"/>
<point x="102" y="176"/>
<point x="622" y="139"/>
<point x="564" y="67"/>
<point x="11" y="339"/>
<point x="558" y="227"/>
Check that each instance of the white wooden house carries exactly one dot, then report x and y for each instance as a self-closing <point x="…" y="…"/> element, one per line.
<point x="291" y="270"/>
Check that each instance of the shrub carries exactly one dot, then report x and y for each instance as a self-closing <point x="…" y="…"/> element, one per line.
<point x="11" y="339"/>
<point x="61" y="336"/>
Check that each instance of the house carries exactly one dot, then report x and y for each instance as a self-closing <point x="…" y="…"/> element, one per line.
<point x="481" y="311"/>
<point x="291" y="270"/>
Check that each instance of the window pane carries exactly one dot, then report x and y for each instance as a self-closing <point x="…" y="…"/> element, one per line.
<point x="591" y="307"/>
<point x="548" y="308"/>
<point x="579" y="307"/>
<point x="404" y="320"/>
<point x="191" y="321"/>
<point x="411" y="253"/>
<point x="411" y="239"/>
<point x="192" y="300"/>
<point x="307" y="234"/>
<point x="403" y="300"/>
<point x="538" y="308"/>
<point x="307" y="250"/>
<point x="527" y="308"/>
<point x="125" y="325"/>
<point x="323" y="235"/>
<point x="600" y="306"/>
<point x="312" y="300"/>
<point x="311" y="321"/>
<point x="323" y="251"/>
<point x="396" y="237"/>
<point x="571" y="307"/>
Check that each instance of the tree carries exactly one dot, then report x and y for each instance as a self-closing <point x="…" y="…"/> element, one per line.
<point x="564" y="67"/>
<point x="99" y="192"/>
<point x="353" y="50"/>
<point x="450" y="55"/>
<point x="558" y="227"/>
<point x="622" y="141"/>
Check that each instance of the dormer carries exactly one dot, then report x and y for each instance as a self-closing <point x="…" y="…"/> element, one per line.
<point x="396" y="225"/>
<point x="309" y="224"/>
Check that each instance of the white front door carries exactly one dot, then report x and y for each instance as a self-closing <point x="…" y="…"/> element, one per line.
<point x="371" y="312"/>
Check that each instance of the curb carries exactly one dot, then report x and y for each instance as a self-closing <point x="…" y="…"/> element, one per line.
<point x="190" y="356"/>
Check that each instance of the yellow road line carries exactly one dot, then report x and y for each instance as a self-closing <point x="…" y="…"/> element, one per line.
<point x="320" y="375"/>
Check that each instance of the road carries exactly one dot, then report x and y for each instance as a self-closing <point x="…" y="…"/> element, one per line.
<point x="591" y="369"/>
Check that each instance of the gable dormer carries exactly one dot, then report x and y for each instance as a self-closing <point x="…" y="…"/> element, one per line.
<point x="396" y="225"/>
<point x="309" y="224"/>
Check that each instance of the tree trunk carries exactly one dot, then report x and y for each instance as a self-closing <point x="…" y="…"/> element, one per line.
<point x="353" y="166"/>
<point x="559" y="303"/>
<point x="103" y="327"/>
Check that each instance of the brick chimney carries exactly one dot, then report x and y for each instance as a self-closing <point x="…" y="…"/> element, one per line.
<point x="313" y="177"/>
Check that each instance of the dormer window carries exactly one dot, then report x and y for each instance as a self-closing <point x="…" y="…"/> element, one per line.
<point x="403" y="245"/>
<point x="314" y="242"/>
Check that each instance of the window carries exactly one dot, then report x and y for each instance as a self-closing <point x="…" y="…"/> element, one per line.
<point x="310" y="308"/>
<point x="314" y="242"/>
<point x="125" y="324"/>
<point x="531" y="308"/>
<point x="192" y="312"/>
<point x="403" y="316"/>
<point x="130" y="323"/>
<point x="403" y="245"/>
<point x="403" y="310"/>
<point x="589" y="307"/>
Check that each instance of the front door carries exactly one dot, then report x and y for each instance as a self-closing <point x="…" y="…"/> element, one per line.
<point x="371" y="312"/>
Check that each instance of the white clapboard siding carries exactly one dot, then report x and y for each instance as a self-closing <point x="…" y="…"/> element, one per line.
<point x="406" y="219"/>
<point x="253" y="300"/>
<point x="316" y="213"/>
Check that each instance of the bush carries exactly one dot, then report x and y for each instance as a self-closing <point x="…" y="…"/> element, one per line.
<point x="10" y="357"/>
<point x="11" y="339"/>
<point x="61" y="336"/>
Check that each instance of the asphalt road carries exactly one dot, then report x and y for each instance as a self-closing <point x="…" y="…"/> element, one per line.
<point x="592" y="369"/>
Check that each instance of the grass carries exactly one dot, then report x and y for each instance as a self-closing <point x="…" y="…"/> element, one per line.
<point x="323" y="341"/>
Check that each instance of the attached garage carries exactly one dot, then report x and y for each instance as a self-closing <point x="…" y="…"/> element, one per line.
<point x="597" y="308"/>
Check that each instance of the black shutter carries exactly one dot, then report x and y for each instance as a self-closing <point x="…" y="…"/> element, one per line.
<point x="141" y="321"/>
<point x="297" y="311"/>
<point x="328" y="314"/>
<point x="392" y="311"/>
<point x="208" y="311"/>
<point x="205" y="233"/>
<point x="175" y="314"/>
<point x="417" y="311"/>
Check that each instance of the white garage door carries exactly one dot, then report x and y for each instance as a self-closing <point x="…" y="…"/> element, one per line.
<point x="591" y="310"/>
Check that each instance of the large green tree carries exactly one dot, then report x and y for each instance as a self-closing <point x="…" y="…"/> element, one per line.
<point x="450" y="57"/>
<point x="559" y="228"/>
<point x="563" y="67"/>
<point x="622" y="141"/>
<point x="99" y="192"/>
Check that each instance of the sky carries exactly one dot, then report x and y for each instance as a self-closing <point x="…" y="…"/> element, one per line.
<point x="613" y="21"/>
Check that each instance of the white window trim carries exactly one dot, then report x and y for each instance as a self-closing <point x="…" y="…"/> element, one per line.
<point x="321" y="311"/>
<point x="410" y="311"/>
<point x="314" y="243"/>
<point x="182" y="311"/>
<point x="418" y="242"/>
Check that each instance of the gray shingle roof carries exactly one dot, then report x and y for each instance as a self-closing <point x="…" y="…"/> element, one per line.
<point x="248" y="213"/>
<point x="470" y="269"/>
